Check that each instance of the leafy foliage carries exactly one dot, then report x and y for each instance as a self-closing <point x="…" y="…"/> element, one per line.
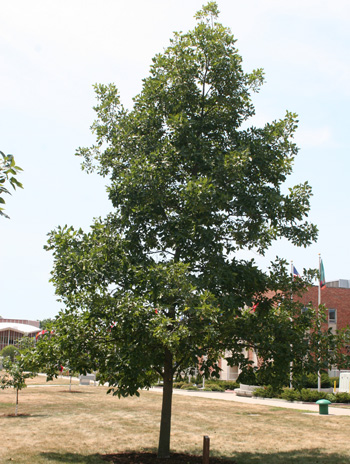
<point x="46" y="323"/>
<point x="14" y="377"/>
<point x="9" y="351"/>
<point x="306" y="395"/>
<point x="8" y="173"/>
<point x="342" y="397"/>
<point x="301" y="338"/>
<point x="157" y="284"/>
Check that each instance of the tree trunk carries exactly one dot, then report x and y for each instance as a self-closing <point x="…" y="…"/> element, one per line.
<point x="165" y="423"/>
<point x="16" y="409"/>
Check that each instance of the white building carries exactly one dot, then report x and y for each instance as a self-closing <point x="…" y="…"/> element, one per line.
<point x="11" y="330"/>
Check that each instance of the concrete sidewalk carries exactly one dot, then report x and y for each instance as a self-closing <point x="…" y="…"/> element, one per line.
<point x="279" y="403"/>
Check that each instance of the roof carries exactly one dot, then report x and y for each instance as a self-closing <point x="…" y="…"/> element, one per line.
<point x="17" y="327"/>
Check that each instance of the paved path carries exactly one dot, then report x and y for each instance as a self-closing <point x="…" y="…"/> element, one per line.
<point x="230" y="396"/>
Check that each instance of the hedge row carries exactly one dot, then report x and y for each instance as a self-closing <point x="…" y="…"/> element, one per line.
<point x="209" y="385"/>
<point x="310" y="396"/>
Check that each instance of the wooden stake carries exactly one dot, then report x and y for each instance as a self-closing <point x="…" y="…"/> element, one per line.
<point x="206" y="445"/>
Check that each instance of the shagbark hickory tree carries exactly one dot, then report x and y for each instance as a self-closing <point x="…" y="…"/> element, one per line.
<point x="157" y="284"/>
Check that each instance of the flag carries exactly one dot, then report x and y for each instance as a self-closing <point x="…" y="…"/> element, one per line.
<point x="322" y="276"/>
<point x="295" y="272"/>
<point x="254" y="307"/>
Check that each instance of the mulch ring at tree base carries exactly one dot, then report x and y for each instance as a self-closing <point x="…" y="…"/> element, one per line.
<point x="151" y="458"/>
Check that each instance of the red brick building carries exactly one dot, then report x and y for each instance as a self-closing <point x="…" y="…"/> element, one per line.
<point x="336" y="298"/>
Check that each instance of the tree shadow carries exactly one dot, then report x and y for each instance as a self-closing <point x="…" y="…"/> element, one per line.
<point x="71" y="391"/>
<point x="72" y="458"/>
<point x="306" y="456"/>
<point x="311" y="456"/>
<point x="81" y="392"/>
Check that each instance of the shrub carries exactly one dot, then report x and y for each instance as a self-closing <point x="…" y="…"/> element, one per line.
<point x="342" y="397"/>
<point x="9" y="351"/>
<point x="248" y="377"/>
<point x="228" y="384"/>
<point x="215" y="386"/>
<point x="190" y="387"/>
<point x="266" y="392"/>
<point x="311" y="381"/>
<point x="186" y="386"/>
<point x="311" y="396"/>
<point x="290" y="394"/>
<point x="178" y="384"/>
<point x="326" y="381"/>
<point x="224" y="384"/>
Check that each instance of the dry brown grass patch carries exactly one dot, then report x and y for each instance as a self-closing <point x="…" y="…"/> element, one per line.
<point x="73" y="428"/>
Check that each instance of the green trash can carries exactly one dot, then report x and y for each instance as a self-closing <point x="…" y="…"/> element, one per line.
<point x="323" y="405"/>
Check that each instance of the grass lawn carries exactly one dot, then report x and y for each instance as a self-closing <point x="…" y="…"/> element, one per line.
<point x="59" y="426"/>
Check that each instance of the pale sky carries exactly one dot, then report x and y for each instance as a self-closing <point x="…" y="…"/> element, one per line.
<point x="52" y="52"/>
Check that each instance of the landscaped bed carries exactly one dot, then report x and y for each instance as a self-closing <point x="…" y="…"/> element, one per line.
<point x="305" y="394"/>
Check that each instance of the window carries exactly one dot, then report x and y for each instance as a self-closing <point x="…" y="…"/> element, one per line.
<point x="332" y="316"/>
<point x="232" y="372"/>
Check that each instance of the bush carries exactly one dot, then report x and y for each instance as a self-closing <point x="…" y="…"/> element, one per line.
<point x="311" y="381"/>
<point x="228" y="384"/>
<point x="248" y="377"/>
<point x="215" y="386"/>
<point x="330" y="397"/>
<point x="307" y="395"/>
<point x="342" y="397"/>
<point x="326" y="381"/>
<point x="178" y="384"/>
<point x="311" y="396"/>
<point x="225" y="384"/>
<point x="290" y="394"/>
<point x="190" y="387"/>
<point x="266" y="392"/>
<point x="9" y="351"/>
<point x="186" y="386"/>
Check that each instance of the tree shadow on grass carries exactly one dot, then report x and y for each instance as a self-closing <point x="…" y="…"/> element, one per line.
<point x="72" y="458"/>
<point x="310" y="456"/>
<point x="72" y="391"/>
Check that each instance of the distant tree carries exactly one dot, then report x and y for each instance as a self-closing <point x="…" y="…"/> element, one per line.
<point x="292" y="341"/>
<point x="159" y="284"/>
<point x="328" y="348"/>
<point x="25" y="344"/>
<point x="45" y="323"/>
<point x="8" y="173"/>
<point x="14" y="377"/>
<point x="9" y="351"/>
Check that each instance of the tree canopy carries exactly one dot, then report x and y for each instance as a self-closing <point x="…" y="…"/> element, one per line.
<point x="157" y="285"/>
